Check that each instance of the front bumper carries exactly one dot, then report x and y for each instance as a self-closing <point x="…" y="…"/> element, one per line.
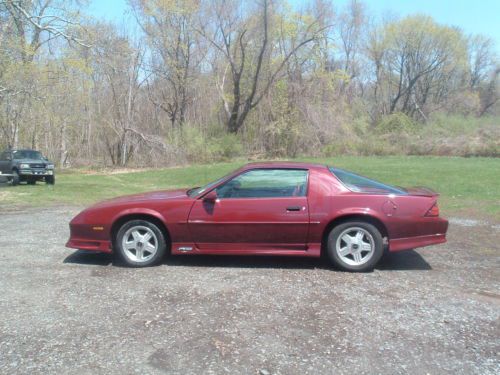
<point x="36" y="172"/>
<point x="85" y="244"/>
<point x="85" y="236"/>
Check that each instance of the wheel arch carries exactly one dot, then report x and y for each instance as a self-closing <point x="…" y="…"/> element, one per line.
<point x="352" y="217"/>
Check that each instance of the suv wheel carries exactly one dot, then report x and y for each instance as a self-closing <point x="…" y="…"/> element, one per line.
<point x="15" y="178"/>
<point x="51" y="180"/>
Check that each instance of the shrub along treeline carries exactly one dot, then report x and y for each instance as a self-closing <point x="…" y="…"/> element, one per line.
<point x="199" y="80"/>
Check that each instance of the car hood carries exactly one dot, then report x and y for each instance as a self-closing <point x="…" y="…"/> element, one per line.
<point x="142" y="197"/>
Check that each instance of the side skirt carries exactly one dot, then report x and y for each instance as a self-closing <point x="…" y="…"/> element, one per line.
<point x="310" y="250"/>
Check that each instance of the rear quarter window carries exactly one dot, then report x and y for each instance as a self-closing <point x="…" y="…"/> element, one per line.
<point x="361" y="184"/>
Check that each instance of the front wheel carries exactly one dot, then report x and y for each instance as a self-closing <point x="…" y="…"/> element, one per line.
<point x="15" y="178"/>
<point x="140" y="243"/>
<point x="355" y="246"/>
<point x="51" y="180"/>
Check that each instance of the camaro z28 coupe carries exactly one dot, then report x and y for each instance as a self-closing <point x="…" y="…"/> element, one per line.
<point x="273" y="208"/>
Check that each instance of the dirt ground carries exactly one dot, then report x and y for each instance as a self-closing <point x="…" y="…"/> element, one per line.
<point x="430" y="311"/>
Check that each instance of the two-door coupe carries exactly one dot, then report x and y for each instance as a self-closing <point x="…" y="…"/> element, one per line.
<point x="273" y="208"/>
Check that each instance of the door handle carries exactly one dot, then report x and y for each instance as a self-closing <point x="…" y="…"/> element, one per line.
<point x="293" y="208"/>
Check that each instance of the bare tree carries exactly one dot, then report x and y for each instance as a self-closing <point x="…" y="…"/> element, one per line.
<point x="481" y="59"/>
<point x="236" y="39"/>
<point x="412" y="57"/>
<point x="351" y="26"/>
<point x="175" y="54"/>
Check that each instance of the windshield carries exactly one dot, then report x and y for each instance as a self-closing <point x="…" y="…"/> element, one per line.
<point x="360" y="184"/>
<point x="199" y="190"/>
<point x="27" y="154"/>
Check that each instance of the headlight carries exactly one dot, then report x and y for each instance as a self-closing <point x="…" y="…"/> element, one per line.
<point x="50" y="166"/>
<point x="24" y="166"/>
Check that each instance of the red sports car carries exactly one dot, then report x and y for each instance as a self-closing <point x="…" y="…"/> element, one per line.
<point x="275" y="208"/>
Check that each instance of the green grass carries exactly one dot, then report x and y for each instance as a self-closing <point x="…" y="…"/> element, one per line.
<point x="469" y="186"/>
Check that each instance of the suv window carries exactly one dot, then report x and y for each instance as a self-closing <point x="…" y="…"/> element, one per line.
<point x="3" y="156"/>
<point x="266" y="183"/>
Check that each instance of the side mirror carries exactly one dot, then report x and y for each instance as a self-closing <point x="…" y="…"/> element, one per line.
<point x="211" y="197"/>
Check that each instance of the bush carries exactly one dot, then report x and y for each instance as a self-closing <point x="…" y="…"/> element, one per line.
<point x="396" y="123"/>
<point x="225" y="148"/>
<point x="205" y="149"/>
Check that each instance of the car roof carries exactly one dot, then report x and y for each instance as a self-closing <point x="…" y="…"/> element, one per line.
<point x="284" y="164"/>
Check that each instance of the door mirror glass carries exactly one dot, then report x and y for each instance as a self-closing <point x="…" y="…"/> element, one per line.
<point x="210" y="197"/>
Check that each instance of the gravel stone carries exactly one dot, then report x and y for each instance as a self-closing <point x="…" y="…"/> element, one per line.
<point x="430" y="311"/>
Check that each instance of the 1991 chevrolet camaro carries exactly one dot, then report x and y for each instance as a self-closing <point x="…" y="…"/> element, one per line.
<point x="275" y="208"/>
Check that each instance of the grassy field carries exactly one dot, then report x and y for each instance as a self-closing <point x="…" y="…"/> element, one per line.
<point x="468" y="186"/>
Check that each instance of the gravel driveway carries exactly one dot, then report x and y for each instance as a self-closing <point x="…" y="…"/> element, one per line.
<point x="430" y="311"/>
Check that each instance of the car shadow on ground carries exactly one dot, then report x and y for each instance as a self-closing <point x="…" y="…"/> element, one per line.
<point x="402" y="261"/>
<point x="90" y="258"/>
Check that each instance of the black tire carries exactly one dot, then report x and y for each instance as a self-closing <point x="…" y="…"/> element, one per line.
<point x="51" y="180"/>
<point x="374" y="238"/>
<point x="147" y="227"/>
<point x="15" y="178"/>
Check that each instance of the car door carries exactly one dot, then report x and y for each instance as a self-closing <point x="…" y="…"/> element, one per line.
<point x="258" y="210"/>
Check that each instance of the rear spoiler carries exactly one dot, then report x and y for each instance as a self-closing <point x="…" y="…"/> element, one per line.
<point x="422" y="191"/>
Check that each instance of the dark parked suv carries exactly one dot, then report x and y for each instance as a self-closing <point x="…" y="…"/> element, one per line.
<point x="27" y="165"/>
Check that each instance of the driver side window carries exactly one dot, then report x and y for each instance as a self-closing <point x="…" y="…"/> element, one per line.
<point x="266" y="183"/>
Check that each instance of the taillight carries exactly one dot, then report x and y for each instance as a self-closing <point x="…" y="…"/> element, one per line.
<point x="433" y="211"/>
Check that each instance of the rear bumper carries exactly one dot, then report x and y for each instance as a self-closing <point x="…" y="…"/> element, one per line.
<point x="413" y="242"/>
<point x="94" y="245"/>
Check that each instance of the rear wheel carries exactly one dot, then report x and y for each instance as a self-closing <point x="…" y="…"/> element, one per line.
<point x="140" y="243"/>
<point x="355" y="246"/>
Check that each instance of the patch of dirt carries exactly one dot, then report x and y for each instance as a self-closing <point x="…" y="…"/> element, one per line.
<point x="112" y="171"/>
<point x="4" y="195"/>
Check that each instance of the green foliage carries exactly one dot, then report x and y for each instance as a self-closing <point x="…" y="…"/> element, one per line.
<point x="202" y="148"/>
<point x="225" y="148"/>
<point x="396" y="123"/>
<point x="166" y="97"/>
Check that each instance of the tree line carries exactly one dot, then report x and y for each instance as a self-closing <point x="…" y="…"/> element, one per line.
<point x="198" y="80"/>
